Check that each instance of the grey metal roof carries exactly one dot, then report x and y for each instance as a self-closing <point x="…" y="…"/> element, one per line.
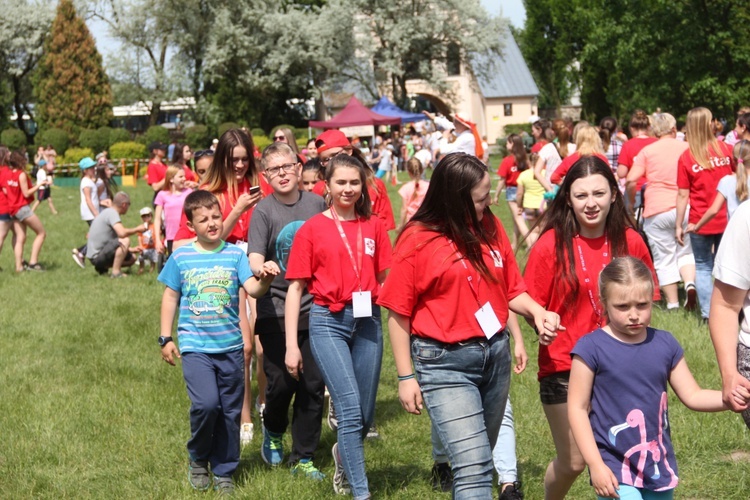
<point x="510" y="76"/>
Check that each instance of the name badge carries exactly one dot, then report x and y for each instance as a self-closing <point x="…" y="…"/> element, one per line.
<point x="487" y="319"/>
<point x="362" y="304"/>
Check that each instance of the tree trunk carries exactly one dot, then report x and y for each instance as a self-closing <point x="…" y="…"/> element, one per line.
<point x="155" y="109"/>
<point x="19" y="107"/>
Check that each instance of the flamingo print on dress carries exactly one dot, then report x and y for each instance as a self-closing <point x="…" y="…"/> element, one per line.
<point x="664" y="425"/>
<point x="636" y="419"/>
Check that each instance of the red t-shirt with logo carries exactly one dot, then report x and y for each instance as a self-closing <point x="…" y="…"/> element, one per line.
<point x="430" y="286"/>
<point x="562" y="170"/>
<point x="156" y="172"/>
<point x="630" y="150"/>
<point x="702" y="184"/>
<point x="508" y="170"/>
<point x="578" y="315"/>
<point x="12" y="187"/>
<point x="319" y="256"/>
<point x="381" y="204"/>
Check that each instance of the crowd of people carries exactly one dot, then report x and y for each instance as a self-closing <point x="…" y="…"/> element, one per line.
<point x="284" y="255"/>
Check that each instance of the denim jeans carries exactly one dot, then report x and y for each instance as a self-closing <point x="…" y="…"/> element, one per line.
<point x="704" y="251"/>
<point x="504" y="452"/>
<point x="465" y="387"/>
<point x="349" y="352"/>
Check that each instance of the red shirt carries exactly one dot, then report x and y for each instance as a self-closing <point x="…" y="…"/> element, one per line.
<point x="702" y="184"/>
<point x="319" y="188"/>
<point x="508" y="170"/>
<point x="156" y="172"/>
<point x="12" y="186"/>
<point x="538" y="145"/>
<point x="430" y="287"/>
<point x="4" y="207"/>
<point x="577" y="316"/>
<point x="189" y="174"/>
<point x="241" y="227"/>
<point x="381" y="204"/>
<point x="630" y="150"/>
<point x="562" y="170"/>
<point x="319" y="256"/>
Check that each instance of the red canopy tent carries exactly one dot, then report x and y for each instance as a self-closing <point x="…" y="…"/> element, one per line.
<point x="355" y="113"/>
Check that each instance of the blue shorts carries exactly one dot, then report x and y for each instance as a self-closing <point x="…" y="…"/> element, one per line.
<point x="632" y="493"/>
<point x="510" y="193"/>
<point x="5" y="218"/>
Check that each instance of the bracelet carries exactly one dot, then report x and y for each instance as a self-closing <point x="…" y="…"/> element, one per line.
<point x="405" y="377"/>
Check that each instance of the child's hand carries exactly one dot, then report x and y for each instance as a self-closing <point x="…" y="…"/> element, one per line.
<point x="269" y="270"/>
<point x="741" y="395"/>
<point x="604" y="482"/>
<point x="549" y="327"/>
<point x="169" y="352"/>
<point x="293" y="362"/>
<point x="519" y="352"/>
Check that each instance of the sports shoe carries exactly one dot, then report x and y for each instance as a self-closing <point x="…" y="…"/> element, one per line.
<point x="306" y="467"/>
<point x="198" y="476"/>
<point x="511" y="492"/>
<point x="79" y="258"/>
<point x="260" y="408"/>
<point x="340" y="483"/>
<point x="372" y="432"/>
<point x="333" y="422"/>
<point x="442" y="477"/>
<point x="272" y="450"/>
<point x="246" y="434"/>
<point x="691" y="299"/>
<point x="224" y="485"/>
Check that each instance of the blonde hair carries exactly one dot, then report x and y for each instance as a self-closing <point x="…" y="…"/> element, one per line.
<point x="415" y="169"/>
<point x="625" y="271"/>
<point x="588" y="141"/>
<point x="662" y="124"/>
<point x="169" y="175"/>
<point x="701" y="140"/>
<point x="741" y="154"/>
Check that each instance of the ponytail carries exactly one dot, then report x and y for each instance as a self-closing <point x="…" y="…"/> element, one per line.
<point x="742" y="155"/>
<point x="415" y="169"/>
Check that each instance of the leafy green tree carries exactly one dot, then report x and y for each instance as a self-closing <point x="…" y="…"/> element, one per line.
<point x="71" y="86"/>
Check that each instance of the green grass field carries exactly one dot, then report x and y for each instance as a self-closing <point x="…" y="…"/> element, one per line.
<point x="89" y="410"/>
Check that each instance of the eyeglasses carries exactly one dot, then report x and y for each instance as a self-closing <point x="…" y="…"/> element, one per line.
<point x="279" y="138"/>
<point x="203" y="152"/>
<point x="324" y="162"/>
<point x="288" y="168"/>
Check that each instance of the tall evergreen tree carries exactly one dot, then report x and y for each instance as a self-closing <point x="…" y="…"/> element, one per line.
<point x="71" y="87"/>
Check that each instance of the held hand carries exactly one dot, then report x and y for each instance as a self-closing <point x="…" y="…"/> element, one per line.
<point x="604" y="482"/>
<point x="691" y="228"/>
<point x="269" y="270"/>
<point x="733" y="392"/>
<point x="548" y="325"/>
<point x="169" y="352"/>
<point x="519" y="352"/>
<point x="410" y="396"/>
<point x="159" y="247"/>
<point x="679" y="235"/>
<point x="293" y="362"/>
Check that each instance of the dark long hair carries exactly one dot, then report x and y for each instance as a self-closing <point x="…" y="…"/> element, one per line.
<point x="448" y="208"/>
<point x="363" y="206"/>
<point x="518" y="150"/>
<point x="560" y="217"/>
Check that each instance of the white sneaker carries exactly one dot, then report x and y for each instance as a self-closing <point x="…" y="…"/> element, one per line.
<point x="79" y="258"/>
<point x="246" y="434"/>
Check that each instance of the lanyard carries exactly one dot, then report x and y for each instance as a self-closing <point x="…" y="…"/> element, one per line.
<point x="356" y="267"/>
<point x="469" y="278"/>
<point x="587" y="279"/>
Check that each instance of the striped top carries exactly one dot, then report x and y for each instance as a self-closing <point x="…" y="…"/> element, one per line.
<point x="208" y="283"/>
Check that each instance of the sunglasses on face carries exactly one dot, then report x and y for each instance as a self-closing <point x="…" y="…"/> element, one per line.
<point x="278" y="138"/>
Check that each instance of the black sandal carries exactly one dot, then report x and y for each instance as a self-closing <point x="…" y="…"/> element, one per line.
<point x="35" y="267"/>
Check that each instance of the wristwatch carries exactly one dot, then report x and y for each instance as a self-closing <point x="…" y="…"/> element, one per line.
<point x="165" y="340"/>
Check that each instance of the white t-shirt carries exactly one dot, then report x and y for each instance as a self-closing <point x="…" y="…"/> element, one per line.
<point x="41" y="178"/>
<point x="464" y="143"/>
<point x="732" y="266"/>
<point x="385" y="160"/>
<point x="728" y="188"/>
<point x="424" y="156"/>
<point x="85" y="212"/>
<point x="551" y="158"/>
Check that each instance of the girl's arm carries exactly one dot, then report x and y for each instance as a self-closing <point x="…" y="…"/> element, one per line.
<point x="169" y="302"/>
<point x="89" y="203"/>
<point x="710" y="213"/>
<point x="409" y="393"/>
<point x="402" y="217"/>
<point x="538" y="167"/>
<point x="244" y="202"/>
<point x="519" y="349"/>
<point x="519" y="198"/>
<point x="500" y="186"/>
<point x="579" y="396"/>
<point x="157" y="186"/>
<point x="158" y="243"/>
<point x="546" y="322"/>
<point x="682" y="203"/>
<point x="23" y="184"/>
<point x="293" y="358"/>
<point x="690" y="393"/>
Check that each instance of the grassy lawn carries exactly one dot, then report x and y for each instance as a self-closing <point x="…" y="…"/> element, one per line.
<point x="89" y="410"/>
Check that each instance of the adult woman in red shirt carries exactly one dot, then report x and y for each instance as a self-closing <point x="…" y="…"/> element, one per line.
<point x="585" y="226"/>
<point x="453" y="282"/>
<point x="640" y="123"/>
<point x="6" y="221"/>
<point x="509" y="169"/>
<point x="699" y="170"/>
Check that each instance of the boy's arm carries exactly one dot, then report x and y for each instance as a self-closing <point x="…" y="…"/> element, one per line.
<point x="293" y="357"/>
<point x="169" y="302"/>
<point x="258" y="286"/>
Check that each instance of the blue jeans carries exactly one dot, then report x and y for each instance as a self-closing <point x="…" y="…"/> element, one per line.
<point x="704" y="251"/>
<point x="465" y="387"/>
<point x="349" y="352"/>
<point x="504" y="452"/>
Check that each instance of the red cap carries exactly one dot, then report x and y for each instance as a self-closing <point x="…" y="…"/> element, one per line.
<point x="331" y="139"/>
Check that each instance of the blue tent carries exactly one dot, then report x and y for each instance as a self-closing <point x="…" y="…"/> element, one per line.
<point x="387" y="108"/>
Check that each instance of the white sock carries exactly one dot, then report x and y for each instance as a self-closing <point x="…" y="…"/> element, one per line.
<point x="672" y="305"/>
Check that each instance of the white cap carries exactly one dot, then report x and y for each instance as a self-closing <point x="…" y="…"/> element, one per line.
<point x="146" y="211"/>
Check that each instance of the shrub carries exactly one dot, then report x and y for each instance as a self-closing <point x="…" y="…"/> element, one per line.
<point x="74" y="155"/>
<point x="227" y="126"/>
<point x="261" y="141"/>
<point x="257" y="131"/>
<point x="155" y="133"/>
<point x="128" y="149"/>
<point x="13" y="138"/>
<point x="198" y="137"/>
<point x="118" y="135"/>
<point x="55" y="136"/>
<point x="97" y="140"/>
<point x="515" y="128"/>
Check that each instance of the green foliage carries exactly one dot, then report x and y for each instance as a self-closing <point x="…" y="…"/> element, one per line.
<point x="118" y="135"/>
<point x="261" y="141"/>
<point x="516" y="128"/>
<point x="98" y="139"/>
<point x="13" y="138"/>
<point x="257" y="131"/>
<point x="55" y="136"/>
<point x="198" y="137"/>
<point x="71" y="86"/>
<point x="128" y="150"/>
<point x="155" y="133"/>
<point x="226" y="126"/>
<point x="74" y="155"/>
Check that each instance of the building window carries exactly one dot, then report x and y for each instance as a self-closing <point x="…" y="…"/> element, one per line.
<point x="508" y="108"/>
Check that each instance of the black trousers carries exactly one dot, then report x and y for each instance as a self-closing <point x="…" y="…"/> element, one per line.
<point x="307" y="410"/>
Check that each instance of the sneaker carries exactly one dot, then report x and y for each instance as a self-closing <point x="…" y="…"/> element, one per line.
<point x="442" y="477"/>
<point x="246" y="434"/>
<point x="272" y="450"/>
<point x="692" y="296"/>
<point x="372" y="432"/>
<point x="224" y="485"/>
<point x="198" y="476"/>
<point x="79" y="258"/>
<point x="260" y="408"/>
<point x="340" y="483"/>
<point x="333" y="422"/>
<point x="511" y="492"/>
<point x="307" y="468"/>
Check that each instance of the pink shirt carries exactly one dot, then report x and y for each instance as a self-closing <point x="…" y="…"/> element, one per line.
<point x="409" y="200"/>
<point x="172" y="205"/>
<point x="658" y="162"/>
